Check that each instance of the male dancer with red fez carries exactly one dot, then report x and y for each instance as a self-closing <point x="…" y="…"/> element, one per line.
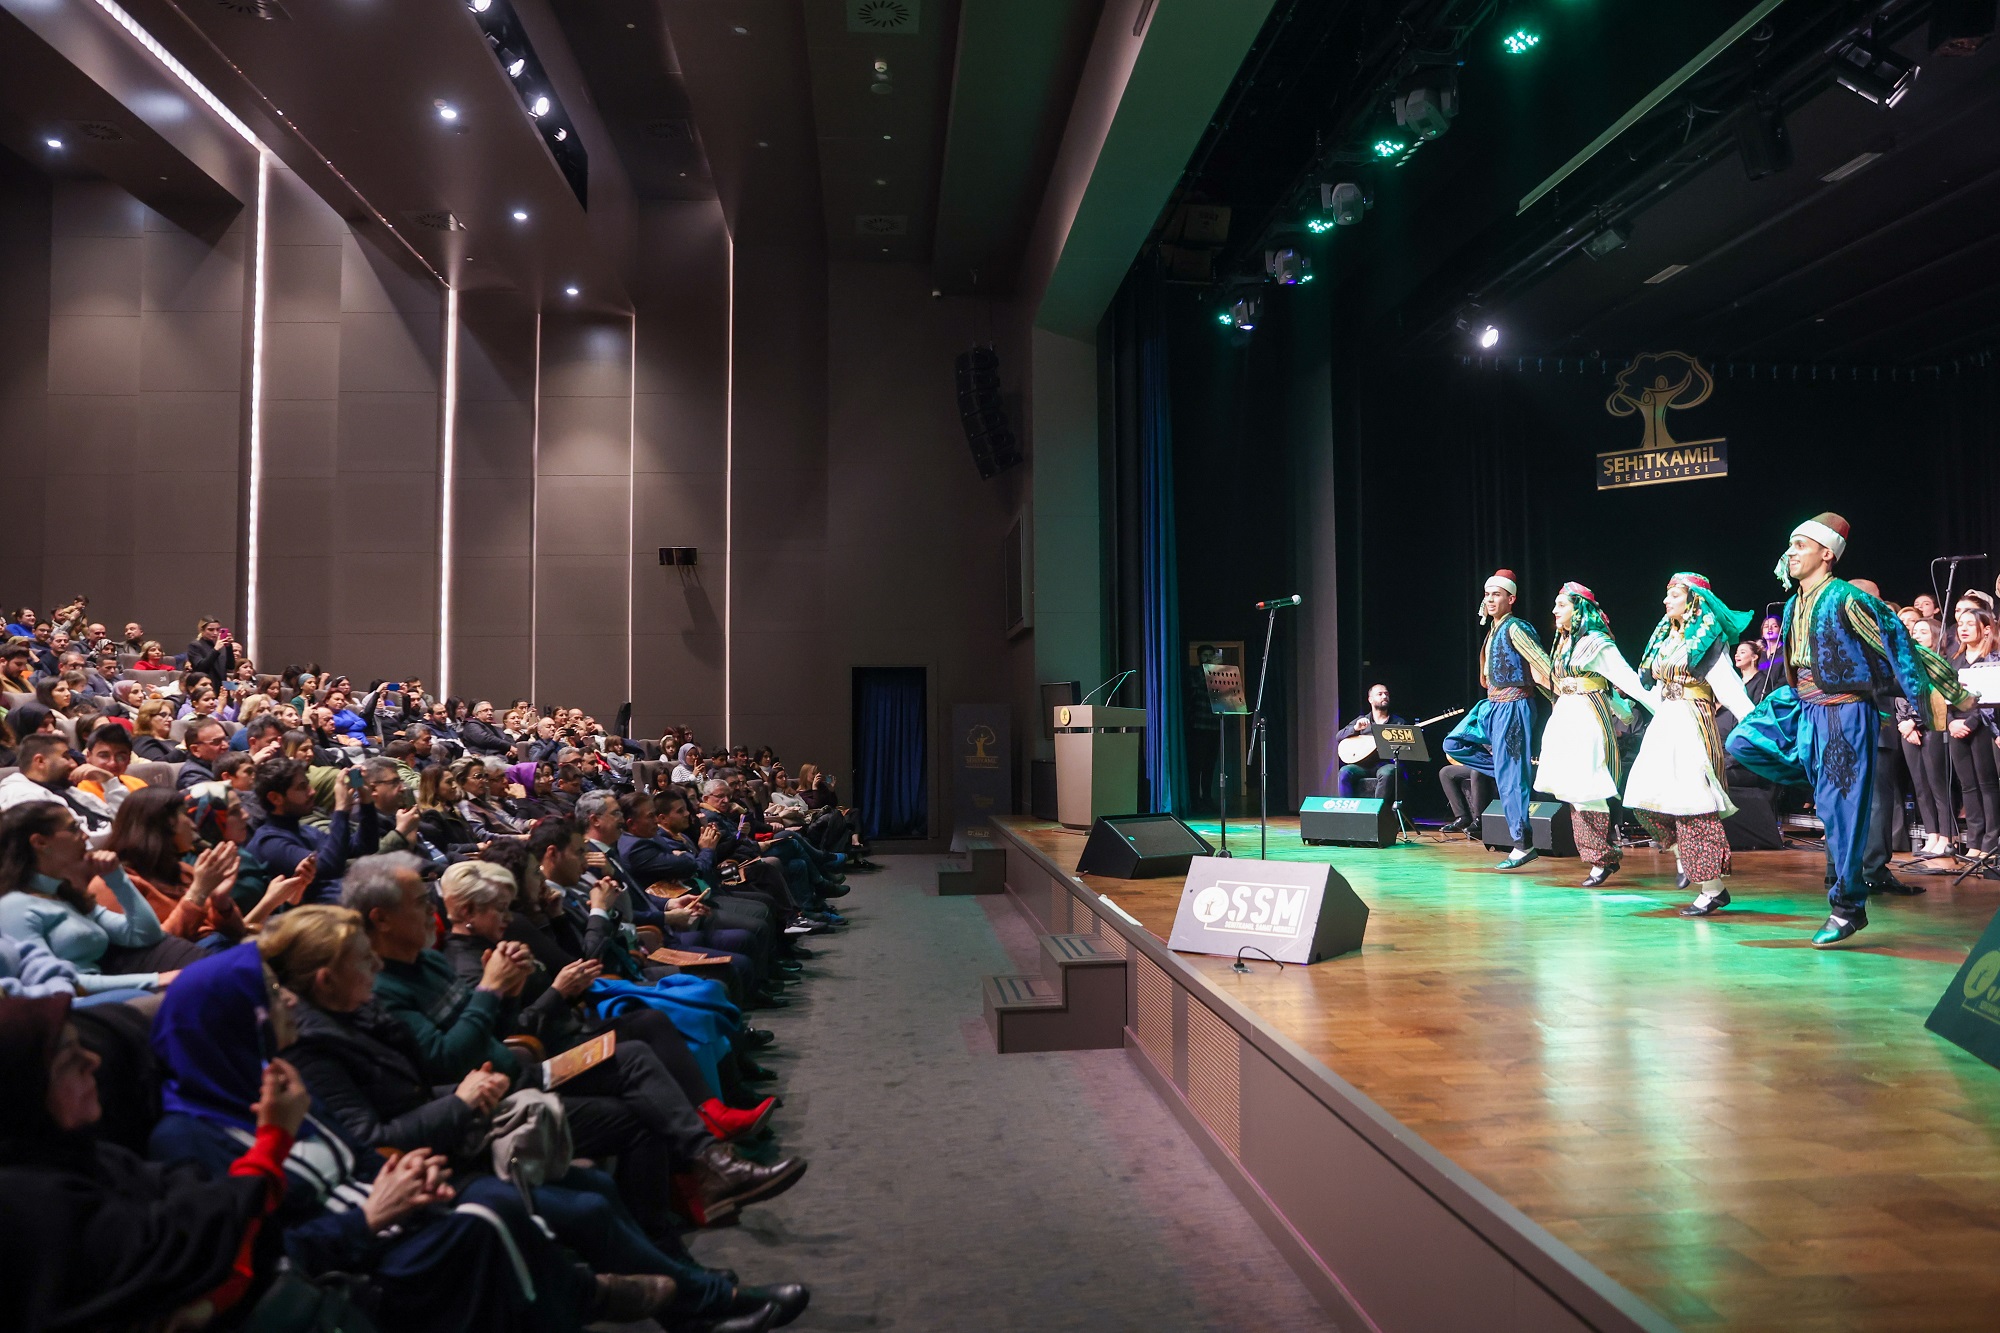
<point x="1845" y="655"/>
<point x="1497" y="737"/>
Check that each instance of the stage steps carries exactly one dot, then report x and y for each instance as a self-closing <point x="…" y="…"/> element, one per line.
<point x="1075" y="1003"/>
<point x="984" y="870"/>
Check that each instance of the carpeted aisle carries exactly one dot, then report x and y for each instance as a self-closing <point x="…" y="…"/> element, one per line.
<point x="952" y="1188"/>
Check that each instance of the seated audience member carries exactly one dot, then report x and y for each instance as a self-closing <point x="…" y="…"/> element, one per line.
<point x="93" y="1236"/>
<point x="429" y="1247"/>
<point x="438" y="820"/>
<point x="627" y="1106"/>
<point x="480" y="735"/>
<point x="109" y="754"/>
<point x="44" y="777"/>
<point x="28" y="970"/>
<point x="206" y="741"/>
<point x="153" y="658"/>
<point x="45" y="876"/>
<point x="284" y="840"/>
<point x="151" y="729"/>
<point x="484" y="782"/>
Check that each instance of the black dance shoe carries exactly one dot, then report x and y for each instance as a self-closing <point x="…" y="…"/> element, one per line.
<point x="1706" y="904"/>
<point x="1597" y="875"/>
<point x="787" y="1300"/>
<point x="1889" y="884"/>
<point x="1840" y="925"/>
<point x="1462" y="824"/>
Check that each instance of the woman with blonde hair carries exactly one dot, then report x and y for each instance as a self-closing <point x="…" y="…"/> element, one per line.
<point x="150" y="730"/>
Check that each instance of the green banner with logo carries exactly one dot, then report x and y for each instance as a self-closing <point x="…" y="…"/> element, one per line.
<point x="1969" y="1013"/>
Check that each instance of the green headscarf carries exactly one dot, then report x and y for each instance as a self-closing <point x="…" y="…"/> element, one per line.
<point x="1708" y="621"/>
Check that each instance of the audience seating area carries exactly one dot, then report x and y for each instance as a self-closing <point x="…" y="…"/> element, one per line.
<point x="339" y="1008"/>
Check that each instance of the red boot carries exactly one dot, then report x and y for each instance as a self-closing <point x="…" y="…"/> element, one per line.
<point x="731" y="1125"/>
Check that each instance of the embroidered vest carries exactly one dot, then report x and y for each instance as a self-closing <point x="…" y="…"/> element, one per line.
<point x="1505" y="667"/>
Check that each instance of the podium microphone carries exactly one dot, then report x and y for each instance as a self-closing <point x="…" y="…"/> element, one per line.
<point x="1114" y="683"/>
<point x="1280" y="603"/>
<point x="1980" y="556"/>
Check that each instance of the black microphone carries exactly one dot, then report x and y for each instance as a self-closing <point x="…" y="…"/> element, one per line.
<point x="1280" y="603"/>
<point x="1980" y="556"/>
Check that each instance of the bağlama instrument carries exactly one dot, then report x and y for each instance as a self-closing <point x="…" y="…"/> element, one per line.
<point x="1359" y="747"/>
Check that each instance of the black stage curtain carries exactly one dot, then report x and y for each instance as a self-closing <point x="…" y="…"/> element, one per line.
<point x="1460" y="467"/>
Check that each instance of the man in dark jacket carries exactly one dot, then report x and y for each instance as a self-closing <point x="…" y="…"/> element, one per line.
<point x="282" y="840"/>
<point x="480" y="735"/>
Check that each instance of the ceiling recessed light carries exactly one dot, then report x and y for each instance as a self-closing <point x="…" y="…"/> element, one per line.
<point x="631" y="25"/>
<point x="886" y="136"/>
<point x="740" y="30"/>
<point x="538" y="105"/>
<point x="763" y="143"/>
<point x="54" y="143"/>
<point x="520" y="215"/>
<point x="447" y="112"/>
<point x="881" y="180"/>
<point x="572" y="291"/>
<point x="479" y="6"/>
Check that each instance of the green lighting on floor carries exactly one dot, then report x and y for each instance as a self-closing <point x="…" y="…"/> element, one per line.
<point x="1520" y="41"/>
<point x="1388" y="147"/>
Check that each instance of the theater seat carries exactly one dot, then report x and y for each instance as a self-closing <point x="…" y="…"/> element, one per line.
<point x="155" y="773"/>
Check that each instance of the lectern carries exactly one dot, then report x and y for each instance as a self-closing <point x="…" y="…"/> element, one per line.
<point x="1097" y="762"/>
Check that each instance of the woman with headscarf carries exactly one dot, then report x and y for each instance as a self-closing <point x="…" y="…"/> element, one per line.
<point x="685" y="763"/>
<point x="92" y="1236"/>
<point x="538" y="780"/>
<point x="24" y="720"/>
<point x="1580" y="763"/>
<point x="464" y="1259"/>
<point x="1676" y="785"/>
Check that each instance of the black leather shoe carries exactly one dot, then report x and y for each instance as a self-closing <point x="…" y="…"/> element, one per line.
<point x="1891" y="885"/>
<point x="834" y="891"/>
<point x="789" y="968"/>
<point x="751" y="1072"/>
<point x="756" y="1039"/>
<point x="788" y="1301"/>
<point x="767" y="999"/>
<point x="1459" y="825"/>
<point x="1840" y="925"/>
<point x="722" y="1182"/>
<point x="1707" y="906"/>
<point x="755" y="1319"/>
<point x="1597" y="875"/>
<point x="799" y="951"/>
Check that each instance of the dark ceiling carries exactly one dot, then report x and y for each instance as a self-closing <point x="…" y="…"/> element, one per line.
<point x="1894" y="264"/>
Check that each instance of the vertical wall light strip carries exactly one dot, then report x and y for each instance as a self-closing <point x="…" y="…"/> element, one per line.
<point x="254" y="497"/>
<point x="631" y="512"/>
<point x="535" y="528"/>
<point x="447" y="478"/>
<point x="729" y="505"/>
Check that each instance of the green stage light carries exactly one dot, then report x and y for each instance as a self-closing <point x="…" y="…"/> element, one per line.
<point x="1388" y="147"/>
<point x="1224" y="317"/>
<point x="1520" y="41"/>
<point x="1319" y="226"/>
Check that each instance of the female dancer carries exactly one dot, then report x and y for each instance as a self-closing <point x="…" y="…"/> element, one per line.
<point x="1580" y="763"/>
<point x="1675" y="786"/>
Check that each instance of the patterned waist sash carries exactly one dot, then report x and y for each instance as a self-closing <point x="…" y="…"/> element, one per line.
<point x="1587" y="683"/>
<point x="1508" y="694"/>
<point x="1696" y="691"/>
<point x="1809" y="692"/>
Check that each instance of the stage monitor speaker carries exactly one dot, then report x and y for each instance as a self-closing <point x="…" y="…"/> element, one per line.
<point x="1293" y="911"/>
<point x="1548" y="819"/>
<point x="1754" y="826"/>
<point x="1140" y="847"/>
<point x="1348" y="821"/>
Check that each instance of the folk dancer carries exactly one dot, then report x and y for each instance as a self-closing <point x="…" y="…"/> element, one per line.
<point x="1497" y="737"/>
<point x="1580" y="764"/>
<point x="1676" y="787"/>
<point x="1845" y="653"/>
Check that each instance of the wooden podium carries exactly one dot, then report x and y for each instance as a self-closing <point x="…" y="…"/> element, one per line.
<point x="1097" y="762"/>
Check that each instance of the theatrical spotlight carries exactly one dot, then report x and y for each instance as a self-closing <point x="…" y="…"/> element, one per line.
<point x="1474" y="325"/>
<point x="1240" y="315"/>
<point x="1345" y="202"/>
<point x="1425" y="110"/>
<point x="1869" y="69"/>
<point x="1287" y="267"/>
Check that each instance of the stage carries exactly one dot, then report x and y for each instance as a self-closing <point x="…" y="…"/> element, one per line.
<point x="1738" y="1129"/>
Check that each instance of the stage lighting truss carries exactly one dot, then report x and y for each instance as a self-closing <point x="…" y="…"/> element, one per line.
<point x="1344" y="202"/>
<point x="1288" y="267"/>
<point x="1867" y="68"/>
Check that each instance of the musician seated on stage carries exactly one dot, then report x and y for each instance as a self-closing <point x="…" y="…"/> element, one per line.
<point x="1371" y="764"/>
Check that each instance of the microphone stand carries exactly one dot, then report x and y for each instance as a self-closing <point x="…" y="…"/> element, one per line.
<point x="1258" y="740"/>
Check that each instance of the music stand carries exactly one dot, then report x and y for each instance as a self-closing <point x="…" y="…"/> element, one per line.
<point x="1225" y="699"/>
<point x="1399" y="742"/>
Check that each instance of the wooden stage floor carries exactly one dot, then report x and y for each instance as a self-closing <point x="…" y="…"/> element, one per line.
<point x="1742" y="1130"/>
